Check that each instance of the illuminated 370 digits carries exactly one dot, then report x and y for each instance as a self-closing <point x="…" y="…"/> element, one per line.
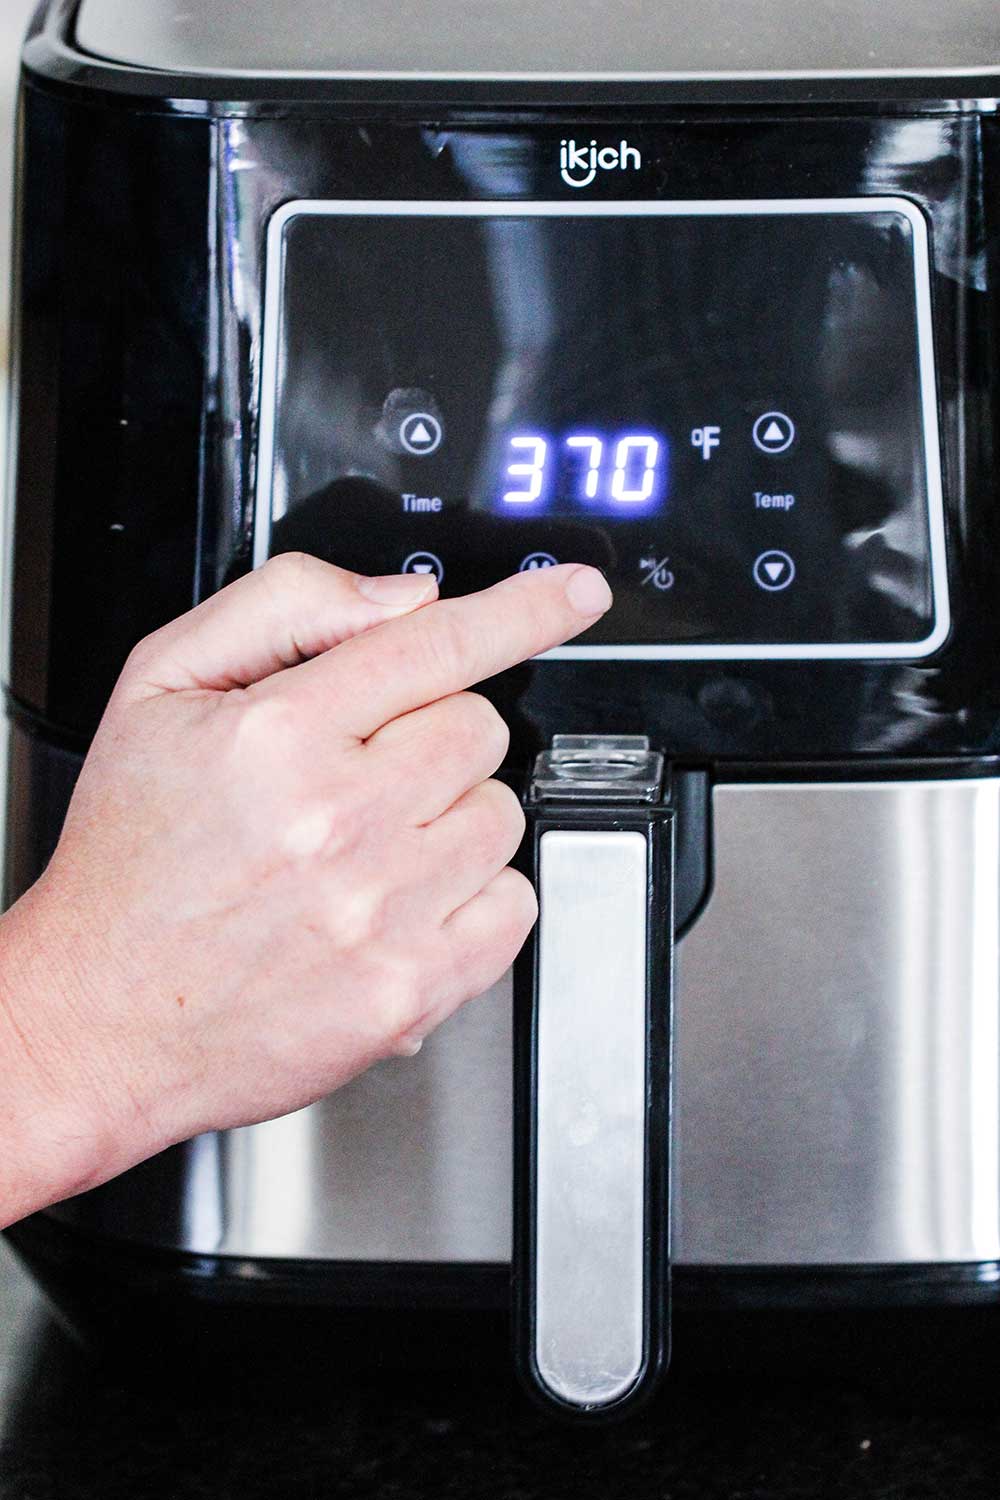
<point x="624" y="470"/>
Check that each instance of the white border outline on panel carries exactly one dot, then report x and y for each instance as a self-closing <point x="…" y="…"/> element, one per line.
<point x="676" y="208"/>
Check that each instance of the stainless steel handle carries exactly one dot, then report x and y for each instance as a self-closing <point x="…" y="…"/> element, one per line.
<point x="593" y="1016"/>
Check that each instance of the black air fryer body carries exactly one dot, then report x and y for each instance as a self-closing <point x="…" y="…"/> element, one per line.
<point x="470" y="302"/>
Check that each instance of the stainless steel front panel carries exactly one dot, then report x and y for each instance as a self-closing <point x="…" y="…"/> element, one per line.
<point x="543" y="38"/>
<point x="837" y="1070"/>
<point x="838" y="1057"/>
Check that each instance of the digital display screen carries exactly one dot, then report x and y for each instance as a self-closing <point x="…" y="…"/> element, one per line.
<point x="730" y="408"/>
<point x="585" y="471"/>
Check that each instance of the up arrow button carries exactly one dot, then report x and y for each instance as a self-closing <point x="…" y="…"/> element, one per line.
<point x="774" y="432"/>
<point x="420" y="433"/>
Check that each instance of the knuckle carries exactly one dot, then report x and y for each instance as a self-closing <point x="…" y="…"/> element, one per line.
<point x="480" y="728"/>
<point x="349" y="806"/>
<point x="311" y="830"/>
<point x="519" y="904"/>
<point x="399" y="1003"/>
<point x="486" y="956"/>
<point x="474" y="729"/>
<point x="263" y="728"/>
<point x="142" y="659"/>
<point x="287" y="569"/>
<point x="355" y="920"/>
<point x="502" y="814"/>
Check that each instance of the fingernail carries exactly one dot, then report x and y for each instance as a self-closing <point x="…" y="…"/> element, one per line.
<point x="588" y="592"/>
<point x="397" y="590"/>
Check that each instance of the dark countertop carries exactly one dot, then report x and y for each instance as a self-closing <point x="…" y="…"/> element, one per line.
<point x="71" y="1428"/>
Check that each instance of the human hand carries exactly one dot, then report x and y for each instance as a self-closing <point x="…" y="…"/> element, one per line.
<point x="284" y="860"/>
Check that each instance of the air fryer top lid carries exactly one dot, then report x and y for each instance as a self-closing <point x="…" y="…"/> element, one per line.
<point x="545" y="39"/>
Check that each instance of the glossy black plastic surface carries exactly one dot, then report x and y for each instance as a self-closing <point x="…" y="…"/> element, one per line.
<point x="724" y="410"/>
<point x="757" y="710"/>
<point x="768" y="710"/>
<point x="140" y="392"/>
<point x="40" y="781"/>
<point x="110" y="378"/>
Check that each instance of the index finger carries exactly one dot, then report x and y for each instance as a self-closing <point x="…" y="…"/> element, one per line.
<point x="451" y="645"/>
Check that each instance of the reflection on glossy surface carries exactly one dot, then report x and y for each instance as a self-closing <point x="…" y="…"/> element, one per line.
<point x="522" y="334"/>
<point x="837" y="1083"/>
<point x="850" y="961"/>
<point x="183" y="366"/>
<point x="250" y="1421"/>
<point x="825" y="709"/>
<point x="197" y="350"/>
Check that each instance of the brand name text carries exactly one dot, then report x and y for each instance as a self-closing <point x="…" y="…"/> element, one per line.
<point x="579" y="165"/>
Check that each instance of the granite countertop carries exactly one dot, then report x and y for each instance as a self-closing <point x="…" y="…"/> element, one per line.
<point x="70" y="1428"/>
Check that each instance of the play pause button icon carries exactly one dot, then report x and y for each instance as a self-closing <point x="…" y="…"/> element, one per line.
<point x="773" y="571"/>
<point x="774" y="432"/>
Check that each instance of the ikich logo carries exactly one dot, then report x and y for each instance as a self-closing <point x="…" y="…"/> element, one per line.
<point x="579" y="165"/>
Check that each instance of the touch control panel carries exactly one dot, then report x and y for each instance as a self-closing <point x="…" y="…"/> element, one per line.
<point x="730" y="407"/>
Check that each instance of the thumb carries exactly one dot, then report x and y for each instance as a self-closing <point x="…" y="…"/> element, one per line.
<point x="290" y="610"/>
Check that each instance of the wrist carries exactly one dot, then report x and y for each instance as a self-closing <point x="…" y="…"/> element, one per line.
<point x="68" y="1118"/>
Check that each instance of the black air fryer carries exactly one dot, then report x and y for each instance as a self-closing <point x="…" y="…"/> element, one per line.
<point x="706" y="298"/>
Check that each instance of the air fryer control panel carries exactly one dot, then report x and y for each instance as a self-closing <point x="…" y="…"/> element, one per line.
<point x="730" y="407"/>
